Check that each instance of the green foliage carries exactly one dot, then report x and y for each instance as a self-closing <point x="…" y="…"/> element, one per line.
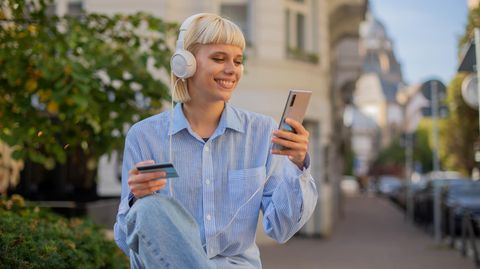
<point x="302" y="55"/>
<point x="391" y="160"/>
<point x="473" y="21"/>
<point x="70" y="84"/>
<point x="31" y="237"/>
<point x="422" y="149"/>
<point x="456" y="149"/>
<point x="394" y="154"/>
<point x="460" y="130"/>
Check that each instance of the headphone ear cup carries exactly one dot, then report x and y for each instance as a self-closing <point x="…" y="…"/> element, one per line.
<point x="183" y="64"/>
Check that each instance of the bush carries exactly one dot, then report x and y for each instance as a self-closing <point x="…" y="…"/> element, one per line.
<point x="33" y="237"/>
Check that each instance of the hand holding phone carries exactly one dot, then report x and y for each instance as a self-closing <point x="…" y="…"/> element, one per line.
<point x="295" y="108"/>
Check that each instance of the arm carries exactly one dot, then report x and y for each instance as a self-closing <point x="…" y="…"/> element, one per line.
<point x="134" y="186"/>
<point x="290" y="195"/>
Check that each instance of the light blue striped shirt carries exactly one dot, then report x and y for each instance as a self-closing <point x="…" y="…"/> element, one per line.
<point x="218" y="176"/>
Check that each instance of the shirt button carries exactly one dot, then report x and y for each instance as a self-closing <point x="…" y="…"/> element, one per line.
<point x="207" y="182"/>
<point x="209" y="217"/>
<point x="206" y="148"/>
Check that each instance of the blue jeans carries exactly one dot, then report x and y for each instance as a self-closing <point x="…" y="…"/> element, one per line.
<point x="162" y="234"/>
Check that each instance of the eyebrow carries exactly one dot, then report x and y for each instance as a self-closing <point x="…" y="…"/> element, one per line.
<point x="224" y="53"/>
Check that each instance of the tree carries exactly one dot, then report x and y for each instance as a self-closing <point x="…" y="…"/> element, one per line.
<point x="422" y="148"/>
<point x="391" y="160"/>
<point x="70" y="87"/>
<point x="460" y="130"/>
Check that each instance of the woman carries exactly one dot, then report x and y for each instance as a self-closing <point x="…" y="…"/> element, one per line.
<point x="207" y="217"/>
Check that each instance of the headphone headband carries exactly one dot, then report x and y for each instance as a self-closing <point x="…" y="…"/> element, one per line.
<point x="184" y="27"/>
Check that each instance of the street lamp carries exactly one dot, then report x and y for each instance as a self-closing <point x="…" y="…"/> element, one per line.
<point x="435" y="91"/>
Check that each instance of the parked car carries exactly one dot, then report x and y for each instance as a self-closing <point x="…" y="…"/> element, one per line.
<point x="424" y="196"/>
<point x="389" y="185"/>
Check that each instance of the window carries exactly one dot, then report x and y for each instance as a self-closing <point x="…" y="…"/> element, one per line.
<point x="51" y="10"/>
<point x="67" y="7"/>
<point x="75" y="8"/>
<point x="301" y="30"/>
<point x="287" y="28"/>
<point x="239" y="14"/>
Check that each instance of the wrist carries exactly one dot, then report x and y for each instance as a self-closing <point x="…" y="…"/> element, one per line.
<point x="303" y="163"/>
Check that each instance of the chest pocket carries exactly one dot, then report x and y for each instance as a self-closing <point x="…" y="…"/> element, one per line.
<point x="242" y="184"/>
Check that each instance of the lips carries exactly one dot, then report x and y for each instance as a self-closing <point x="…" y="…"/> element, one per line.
<point x="227" y="84"/>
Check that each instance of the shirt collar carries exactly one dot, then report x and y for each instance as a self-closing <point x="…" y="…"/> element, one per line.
<point x="229" y="119"/>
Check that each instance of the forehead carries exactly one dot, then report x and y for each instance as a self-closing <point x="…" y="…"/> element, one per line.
<point x="230" y="50"/>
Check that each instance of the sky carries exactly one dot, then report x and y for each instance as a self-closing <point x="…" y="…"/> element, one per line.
<point x="425" y="35"/>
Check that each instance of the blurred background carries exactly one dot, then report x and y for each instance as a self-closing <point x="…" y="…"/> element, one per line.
<point x="394" y="121"/>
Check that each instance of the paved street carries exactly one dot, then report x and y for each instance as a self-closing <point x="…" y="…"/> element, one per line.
<point x="372" y="235"/>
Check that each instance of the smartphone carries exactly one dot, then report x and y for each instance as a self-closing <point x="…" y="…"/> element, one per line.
<point x="166" y="167"/>
<point x="295" y="108"/>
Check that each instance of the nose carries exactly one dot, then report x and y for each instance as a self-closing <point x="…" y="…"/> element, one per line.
<point x="230" y="67"/>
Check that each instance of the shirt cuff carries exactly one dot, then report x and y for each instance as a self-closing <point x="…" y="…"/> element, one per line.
<point x="131" y="199"/>
<point x="306" y="162"/>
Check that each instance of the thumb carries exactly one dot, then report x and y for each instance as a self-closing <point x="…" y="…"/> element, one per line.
<point x="146" y="162"/>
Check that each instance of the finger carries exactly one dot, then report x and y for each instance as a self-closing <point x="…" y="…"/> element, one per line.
<point x="297" y="126"/>
<point x="291" y="136"/>
<point x="285" y="134"/>
<point x="290" y="144"/>
<point x="141" y="178"/>
<point x="293" y="156"/>
<point x="142" y="189"/>
<point x="134" y="170"/>
<point x="287" y="152"/>
<point x="153" y="184"/>
<point x="145" y="192"/>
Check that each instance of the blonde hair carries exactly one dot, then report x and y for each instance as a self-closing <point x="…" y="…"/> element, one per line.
<point x="206" y="29"/>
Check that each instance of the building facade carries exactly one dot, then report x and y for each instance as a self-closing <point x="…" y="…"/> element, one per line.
<point x="380" y="81"/>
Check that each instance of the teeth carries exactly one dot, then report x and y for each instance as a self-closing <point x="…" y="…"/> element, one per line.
<point x="225" y="83"/>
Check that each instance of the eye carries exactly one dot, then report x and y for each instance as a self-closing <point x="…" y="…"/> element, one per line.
<point x="218" y="59"/>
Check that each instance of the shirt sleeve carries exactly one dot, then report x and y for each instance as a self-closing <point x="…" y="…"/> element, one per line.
<point x="131" y="155"/>
<point x="289" y="197"/>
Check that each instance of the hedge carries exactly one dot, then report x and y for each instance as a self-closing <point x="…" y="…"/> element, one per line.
<point x="33" y="237"/>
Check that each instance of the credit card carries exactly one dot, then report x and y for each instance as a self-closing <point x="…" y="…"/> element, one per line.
<point x="165" y="167"/>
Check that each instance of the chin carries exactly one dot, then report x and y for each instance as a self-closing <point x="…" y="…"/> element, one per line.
<point x="226" y="98"/>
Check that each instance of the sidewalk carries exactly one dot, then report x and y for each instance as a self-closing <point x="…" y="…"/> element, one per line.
<point x="372" y="235"/>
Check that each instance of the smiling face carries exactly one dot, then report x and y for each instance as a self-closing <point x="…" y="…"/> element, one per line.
<point x="219" y="68"/>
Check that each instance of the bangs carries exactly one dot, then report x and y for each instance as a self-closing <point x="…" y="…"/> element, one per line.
<point x="215" y="30"/>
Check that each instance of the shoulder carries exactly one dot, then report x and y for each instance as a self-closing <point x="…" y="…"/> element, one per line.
<point x="150" y="124"/>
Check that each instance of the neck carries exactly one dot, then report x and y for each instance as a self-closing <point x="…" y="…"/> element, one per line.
<point x="203" y="118"/>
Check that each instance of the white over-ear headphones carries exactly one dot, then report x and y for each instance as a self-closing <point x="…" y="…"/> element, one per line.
<point x="183" y="62"/>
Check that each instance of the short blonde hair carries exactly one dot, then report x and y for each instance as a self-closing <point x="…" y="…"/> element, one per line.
<point x="206" y="29"/>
